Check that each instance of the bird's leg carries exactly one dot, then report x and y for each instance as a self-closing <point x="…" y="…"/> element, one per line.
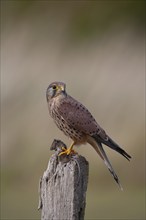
<point x="69" y="150"/>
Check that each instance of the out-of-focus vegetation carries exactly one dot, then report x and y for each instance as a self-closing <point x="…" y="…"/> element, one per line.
<point x="98" y="49"/>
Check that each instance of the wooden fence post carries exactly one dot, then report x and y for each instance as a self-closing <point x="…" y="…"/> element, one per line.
<point x="63" y="186"/>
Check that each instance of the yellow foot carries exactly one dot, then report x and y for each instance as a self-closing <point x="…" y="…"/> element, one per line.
<point x="63" y="149"/>
<point x="67" y="151"/>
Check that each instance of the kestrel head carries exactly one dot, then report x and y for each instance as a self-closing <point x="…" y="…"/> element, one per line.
<point x="55" y="89"/>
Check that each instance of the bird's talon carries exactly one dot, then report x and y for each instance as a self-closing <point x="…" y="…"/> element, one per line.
<point x="63" y="148"/>
<point x="67" y="151"/>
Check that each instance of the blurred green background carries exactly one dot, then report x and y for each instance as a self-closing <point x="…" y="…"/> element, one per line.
<point x="98" y="49"/>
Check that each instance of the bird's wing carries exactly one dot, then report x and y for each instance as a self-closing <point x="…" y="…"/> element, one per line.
<point x="110" y="143"/>
<point x="78" y="116"/>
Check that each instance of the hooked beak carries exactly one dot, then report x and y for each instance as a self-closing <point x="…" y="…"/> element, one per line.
<point x="61" y="87"/>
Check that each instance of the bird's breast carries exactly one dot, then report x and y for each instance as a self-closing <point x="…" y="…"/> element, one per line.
<point x="66" y="128"/>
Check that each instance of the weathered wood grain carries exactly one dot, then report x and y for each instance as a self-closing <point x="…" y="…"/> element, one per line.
<point x="63" y="188"/>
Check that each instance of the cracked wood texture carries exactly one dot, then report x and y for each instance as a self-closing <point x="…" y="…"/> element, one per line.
<point x="63" y="188"/>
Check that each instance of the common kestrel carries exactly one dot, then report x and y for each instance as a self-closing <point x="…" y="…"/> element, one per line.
<point x="77" y="122"/>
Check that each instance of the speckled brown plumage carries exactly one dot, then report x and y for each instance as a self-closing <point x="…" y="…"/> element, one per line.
<point x="76" y="122"/>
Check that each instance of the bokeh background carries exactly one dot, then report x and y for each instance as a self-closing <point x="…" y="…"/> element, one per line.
<point x="98" y="49"/>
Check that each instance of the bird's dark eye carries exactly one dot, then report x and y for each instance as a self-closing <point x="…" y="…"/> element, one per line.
<point x="54" y="87"/>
